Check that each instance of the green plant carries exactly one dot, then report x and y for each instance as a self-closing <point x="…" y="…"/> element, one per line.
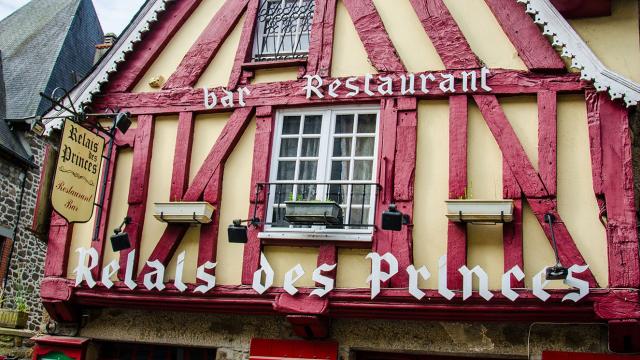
<point x="20" y="297"/>
<point x="298" y="197"/>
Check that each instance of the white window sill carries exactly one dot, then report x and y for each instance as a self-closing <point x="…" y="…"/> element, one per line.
<point x="316" y="236"/>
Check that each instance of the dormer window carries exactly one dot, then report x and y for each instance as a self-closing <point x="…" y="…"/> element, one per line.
<point x="282" y="29"/>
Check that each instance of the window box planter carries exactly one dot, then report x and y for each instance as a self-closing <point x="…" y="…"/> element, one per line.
<point x="313" y="212"/>
<point x="13" y="318"/>
<point x="480" y="211"/>
<point x="184" y="212"/>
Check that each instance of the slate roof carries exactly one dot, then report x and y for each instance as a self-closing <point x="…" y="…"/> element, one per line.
<point x="45" y="44"/>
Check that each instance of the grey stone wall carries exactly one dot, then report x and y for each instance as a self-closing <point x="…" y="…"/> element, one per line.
<point x="26" y="265"/>
<point x="231" y="334"/>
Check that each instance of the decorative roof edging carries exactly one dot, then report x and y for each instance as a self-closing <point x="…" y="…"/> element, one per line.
<point x="581" y="56"/>
<point x="85" y="91"/>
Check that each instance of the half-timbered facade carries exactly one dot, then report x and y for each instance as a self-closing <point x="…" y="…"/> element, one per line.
<point x="383" y="115"/>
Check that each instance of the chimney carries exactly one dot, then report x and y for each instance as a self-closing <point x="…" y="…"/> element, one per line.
<point x="101" y="49"/>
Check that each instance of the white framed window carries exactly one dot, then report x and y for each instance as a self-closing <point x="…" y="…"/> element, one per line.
<point x="325" y="155"/>
<point x="283" y="29"/>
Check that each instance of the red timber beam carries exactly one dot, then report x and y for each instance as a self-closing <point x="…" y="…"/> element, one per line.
<point x="291" y="93"/>
<point x="239" y="76"/>
<point x="138" y="188"/>
<point x="207" y="46"/>
<point x="457" y="232"/>
<point x="259" y="174"/>
<point x="152" y="45"/>
<point x="548" y="140"/>
<point x="534" y="49"/>
<point x="372" y="33"/>
<point x="599" y="305"/>
<point x="445" y="34"/>
<point x="403" y="184"/>
<point x="396" y="172"/>
<point x="57" y="259"/>
<point x="613" y="178"/>
<point x="321" y="42"/>
<point x="537" y="196"/>
<point x="204" y="179"/>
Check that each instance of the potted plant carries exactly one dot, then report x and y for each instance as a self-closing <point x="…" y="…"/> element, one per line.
<point x="310" y="212"/>
<point x="15" y="318"/>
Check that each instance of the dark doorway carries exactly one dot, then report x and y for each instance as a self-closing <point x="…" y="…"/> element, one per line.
<point x="366" y="355"/>
<point x="122" y="351"/>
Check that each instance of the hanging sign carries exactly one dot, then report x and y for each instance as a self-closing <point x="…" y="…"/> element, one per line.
<point x="77" y="173"/>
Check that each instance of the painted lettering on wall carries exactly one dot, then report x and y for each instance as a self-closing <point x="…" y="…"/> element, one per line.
<point x="407" y="84"/>
<point x="383" y="268"/>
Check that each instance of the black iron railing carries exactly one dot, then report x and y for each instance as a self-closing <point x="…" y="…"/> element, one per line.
<point x="356" y="201"/>
<point x="283" y="29"/>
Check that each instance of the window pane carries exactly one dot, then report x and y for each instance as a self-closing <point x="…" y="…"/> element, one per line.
<point x="338" y="193"/>
<point x="361" y="194"/>
<point x="286" y="170"/>
<point x="306" y="192"/>
<point x="308" y="170"/>
<point x="344" y="124"/>
<point x="363" y="170"/>
<point x="364" y="146"/>
<point x="283" y="193"/>
<point x="342" y="147"/>
<point x="359" y="216"/>
<point x="277" y="219"/>
<point x="291" y="125"/>
<point x="289" y="148"/>
<point x="312" y="124"/>
<point x="366" y="123"/>
<point x="340" y="170"/>
<point x="310" y="147"/>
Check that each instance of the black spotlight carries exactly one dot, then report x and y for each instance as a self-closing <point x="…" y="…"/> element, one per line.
<point x="120" y="239"/>
<point x="393" y="219"/>
<point x="237" y="232"/>
<point x="123" y="121"/>
<point x="556" y="272"/>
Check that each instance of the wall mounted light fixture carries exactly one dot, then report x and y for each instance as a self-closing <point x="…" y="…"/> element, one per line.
<point x="556" y="272"/>
<point x="120" y="239"/>
<point x="393" y="219"/>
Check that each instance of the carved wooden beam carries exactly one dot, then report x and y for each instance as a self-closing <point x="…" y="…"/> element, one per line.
<point x="445" y="34"/>
<point x="197" y="59"/>
<point x="321" y="42"/>
<point x="265" y="123"/>
<point x="229" y="137"/>
<point x="372" y="33"/>
<point x="534" y="49"/>
<point x="152" y="46"/>
<point x="291" y="93"/>
<point x="138" y="189"/>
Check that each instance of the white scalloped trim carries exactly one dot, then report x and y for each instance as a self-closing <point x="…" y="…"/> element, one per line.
<point x="83" y="93"/>
<point x="581" y="56"/>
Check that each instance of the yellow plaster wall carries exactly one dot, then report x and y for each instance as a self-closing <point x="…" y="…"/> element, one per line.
<point x="181" y="42"/>
<point x="236" y="187"/>
<point x="484" y="172"/>
<point x="484" y="34"/>
<point x="349" y="56"/>
<point x="219" y="70"/>
<point x="273" y="75"/>
<point x="206" y="130"/>
<point x="164" y="143"/>
<point x="614" y="39"/>
<point x="576" y="202"/>
<point x="81" y="238"/>
<point x="353" y="268"/>
<point x="282" y="259"/>
<point x="432" y="187"/>
<point x="119" y="200"/>
<point x="408" y="35"/>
